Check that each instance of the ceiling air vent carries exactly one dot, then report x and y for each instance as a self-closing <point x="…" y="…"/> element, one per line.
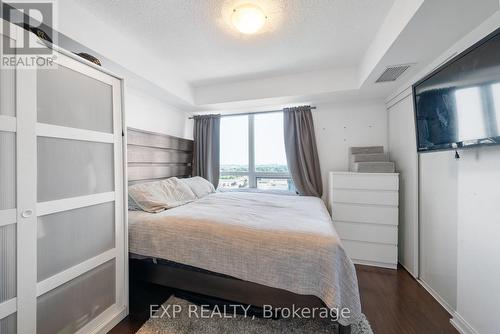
<point x="392" y="73"/>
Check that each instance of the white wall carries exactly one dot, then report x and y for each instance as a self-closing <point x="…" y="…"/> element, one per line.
<point x="402" y="150"/>
<point x="438" y="224"/>
<point x="427" y="206"/>
<point x="478" y="224"/>
<point x="460" y="221"/>
<point x="147" y="105"/>
<point x="82" y="25"/>
<point x="298" y="84"/>
<point x="147" y="112"/>
<point x="340" y="126"/>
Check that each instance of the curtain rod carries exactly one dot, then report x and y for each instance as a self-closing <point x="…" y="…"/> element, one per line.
<point x="253" y="113"/>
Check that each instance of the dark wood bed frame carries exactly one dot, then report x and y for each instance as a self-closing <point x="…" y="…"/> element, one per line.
<point x="156" y="156"/>
<point x="221" y="288"/>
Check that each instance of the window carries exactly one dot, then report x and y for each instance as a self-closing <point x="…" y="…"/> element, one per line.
<point x="470" y="114"/>
<point x="496" y="100"/>
<point x="252" y="153"/>
<point x="234" y="148"/>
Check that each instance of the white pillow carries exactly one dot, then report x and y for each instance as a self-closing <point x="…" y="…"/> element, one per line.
<point x="161" y="195"/>
<point x="199" y="186"/>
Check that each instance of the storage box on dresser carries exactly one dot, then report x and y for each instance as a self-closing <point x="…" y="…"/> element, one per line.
<point x="365" y="214"/>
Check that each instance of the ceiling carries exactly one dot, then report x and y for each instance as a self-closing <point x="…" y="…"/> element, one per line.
<point x="301" y="35"/>
<point x="309" y="50"/>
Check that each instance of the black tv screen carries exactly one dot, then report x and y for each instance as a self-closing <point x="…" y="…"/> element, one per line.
<point x="458" y="105"/>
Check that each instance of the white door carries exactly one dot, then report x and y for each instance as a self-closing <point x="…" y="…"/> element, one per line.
<point x="70" y="258"/>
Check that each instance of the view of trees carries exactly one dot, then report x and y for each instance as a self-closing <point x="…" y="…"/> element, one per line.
<point x="271" y="168"/>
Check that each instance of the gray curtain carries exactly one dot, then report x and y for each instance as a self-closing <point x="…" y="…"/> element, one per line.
<point x="206" y="133"/>
<point x="301" y="151"/>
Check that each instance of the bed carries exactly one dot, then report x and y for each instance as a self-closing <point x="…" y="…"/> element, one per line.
<point x="252" y="248"/>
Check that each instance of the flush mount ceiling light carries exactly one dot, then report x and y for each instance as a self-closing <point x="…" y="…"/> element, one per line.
<point x="248" y="18"/>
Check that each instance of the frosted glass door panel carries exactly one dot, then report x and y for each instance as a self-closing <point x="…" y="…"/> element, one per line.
<point x="70" y="168"/>
<point x="69" y="307"/>
<point x="72" y="99"/>
<point x="7" y="170"/>
<point x="7" y="262"/>
<point x="7" y="85"/>
<point x="68" y="238"/>
<point x="8" y="324"/>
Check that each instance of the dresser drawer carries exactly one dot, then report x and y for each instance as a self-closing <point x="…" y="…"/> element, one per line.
<point x="366" y="181"/>
<point x="365" y="196"/>
<point x="362" y="213"/>
<point x="371" y="252"/>
<point x="386" y="234"/>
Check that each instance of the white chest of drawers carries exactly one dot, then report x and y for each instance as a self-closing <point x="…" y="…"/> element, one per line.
<point x="364" y="209"/>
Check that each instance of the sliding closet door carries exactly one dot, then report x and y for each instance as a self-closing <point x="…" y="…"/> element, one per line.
<point x="8" y="194"/>
<point x="80" y="235"/>
<point x="62" y="237"/>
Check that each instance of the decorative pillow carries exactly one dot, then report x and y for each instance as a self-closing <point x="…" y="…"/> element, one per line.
<point x="161" y="195"/>
<point x="199" y="186"/>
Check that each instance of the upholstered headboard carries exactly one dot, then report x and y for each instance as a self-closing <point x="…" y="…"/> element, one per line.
<point x="153" y="156"/>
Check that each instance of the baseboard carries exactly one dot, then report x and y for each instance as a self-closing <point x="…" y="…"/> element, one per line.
<point x="115" y="318"/>
<point x="462" y="326"/>
<point x="375" y="264"/>
<point x="408" y="271"/>
<point x="437" y="297"/>
<point x="105" y="321"/>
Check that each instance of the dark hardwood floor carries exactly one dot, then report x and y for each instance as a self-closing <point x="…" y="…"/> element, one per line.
<point x="395" y="303"/>
<point x="141" y="296"/>
<point x="392" y="300"/>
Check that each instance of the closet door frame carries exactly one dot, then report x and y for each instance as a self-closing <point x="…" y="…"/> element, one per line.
<point x="9" y="124"/>
<point x="27" y="130"/>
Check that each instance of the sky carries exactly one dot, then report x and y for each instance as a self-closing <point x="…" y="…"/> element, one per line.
<point x="269" y="141"/>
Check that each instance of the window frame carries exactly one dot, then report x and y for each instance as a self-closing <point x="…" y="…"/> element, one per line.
<point x="252" y="174"/>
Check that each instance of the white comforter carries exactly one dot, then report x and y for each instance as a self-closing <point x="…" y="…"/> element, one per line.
<point x="285" y="242"/>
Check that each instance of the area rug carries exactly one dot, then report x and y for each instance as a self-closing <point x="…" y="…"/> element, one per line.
<point x="178" y="316"/>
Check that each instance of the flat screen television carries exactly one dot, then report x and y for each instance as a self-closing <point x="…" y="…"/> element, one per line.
<point x="458" y="105"/>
